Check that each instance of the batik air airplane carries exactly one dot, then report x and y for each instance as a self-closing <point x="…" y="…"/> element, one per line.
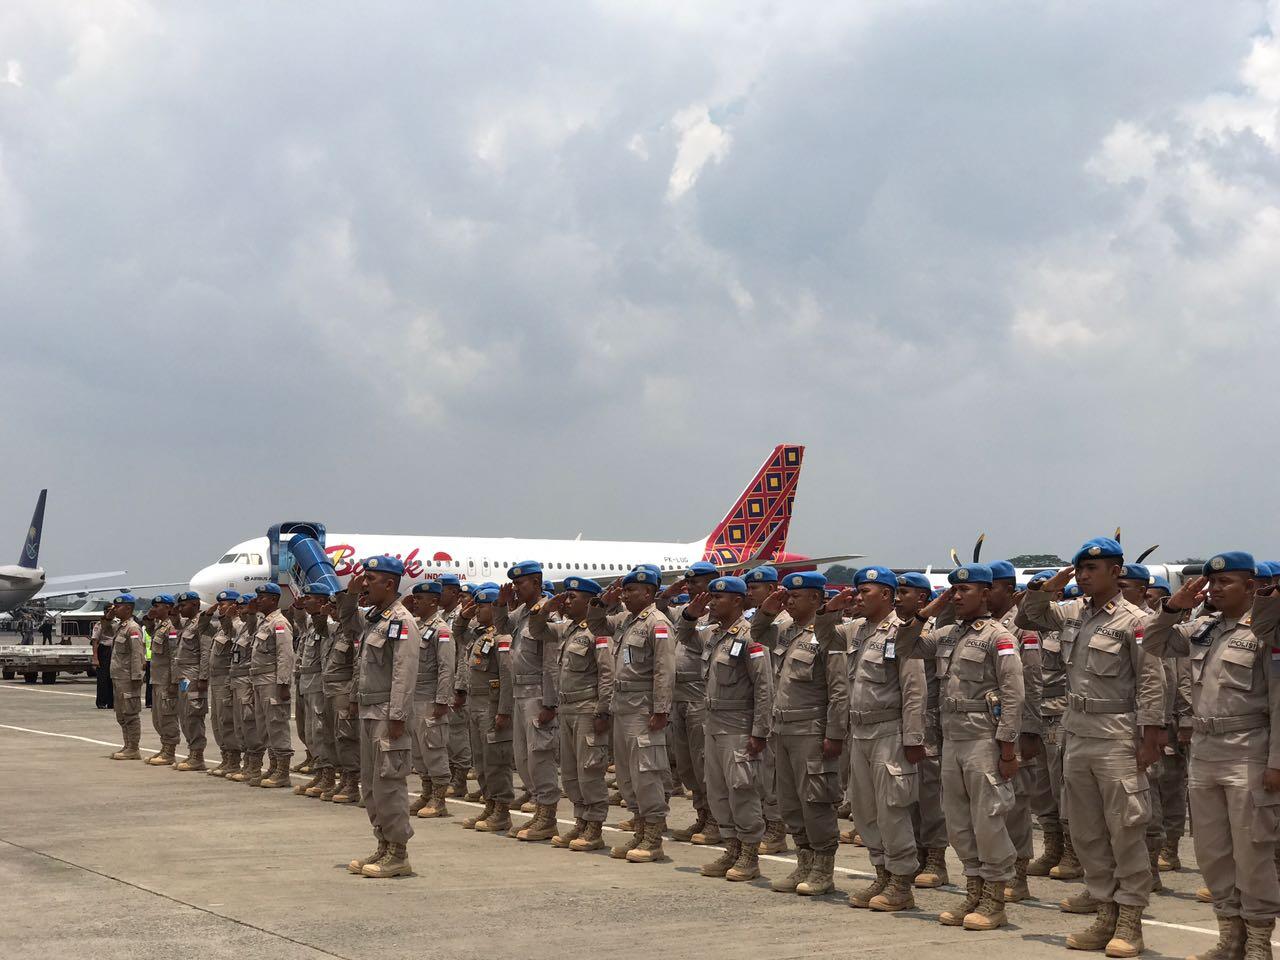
<point x="754" y="531"/>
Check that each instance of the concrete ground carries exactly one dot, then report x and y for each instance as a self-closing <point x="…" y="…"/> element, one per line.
<point x="102" y="858"/>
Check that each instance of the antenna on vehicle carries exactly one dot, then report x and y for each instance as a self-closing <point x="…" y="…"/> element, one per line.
<point x="977" y="547"/>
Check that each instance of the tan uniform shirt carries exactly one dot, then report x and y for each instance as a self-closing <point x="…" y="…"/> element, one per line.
<point x="272" y="657"/>
<point x="739" y="677"/>
<point x="1032" y="670"/>
<point x="387" y="659"/>
<point x="1113" y="687"/>
<point x="312" y="640"/>
<point x="191" y="658"/>
<point x="128" y="649"/>
<point x="887" y="694"/>
<point x="220" y="647"/>
<point x="435" y="661"/>
<point x="534" y="669"/>
<point x="164" y="639"/>
<point x="644" y="657"/>
<point x="242" y="644"/>
<point x="584" y="663"/>
<point x="811" y="683"/>
<point x="488" y="662"/>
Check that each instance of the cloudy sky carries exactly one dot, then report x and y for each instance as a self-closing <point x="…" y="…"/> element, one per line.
<point x="504" y="269"/>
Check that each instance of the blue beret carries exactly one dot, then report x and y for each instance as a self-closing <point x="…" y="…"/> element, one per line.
<point x="1042" y="575"/>
<point x="226" y="595"/>
<point x="1160" y="583"/>
<point x="482" y="595"/>
<point x="1096" y="548"/>
<point x="1268" y="568"/>
<point x="448" y="580"/>
<point x="701" y="568"/>
<point x="489" y="585"/>
<point x="652" y="568"/>
<point x="1071" y="591"/>
<point x="682" y="598"/>
<point x="1135" y="571"/>
<point x="318" y="590"/>
<point x="548" y="586"/>
<point x="525" y="568"/>
<point x="162" y="598"/>
<point x="937" y="592"/>
<point x="642" y="575"/>
<point x="428" y="586"/>
<point x="728" y="585"/>
<point x="917" y="580"/>
<point x="125" y="598"/>
<point x="1232" y="560"/>
<point x="583" y="585"/>
<point x="1003" y="570"/>
<point x="245" y="599"/>
<point x="880" y="576"/>
<point x="970" y="573"/>
<point x="762" y="574"/>
<point x="809" y="580"/>
<point x="468" y="588"/>
<point x="188" y="595"/>
<point x="391" y="565"/>
<point x="268" y="587"/>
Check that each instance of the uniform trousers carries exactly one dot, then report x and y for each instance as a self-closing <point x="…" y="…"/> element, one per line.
<point x="193" y="707"/>
<point x="1237" y="824"/>
<point x="537" y="749"/>
<point x="271" y="715"/>
<point x="384" y="771"/>
<point x="222" y="715"/>
<point x="976" y="800"/>
<point x="808" y="790"/>
<point x="688" y="740"/>
<point x="430" y="743"/>
<point x="640" y="759"/>
<point x="884" y="787"/>
<point x="733" y="786"/>
<point x="128" y="707"/>
<point x="584" y="755"/>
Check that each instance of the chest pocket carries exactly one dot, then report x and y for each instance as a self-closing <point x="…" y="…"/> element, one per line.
<point x="1199" y="653"/>
<point x="376" y="646"/>
<point x="637" y="650"/>
<point x="801" y="663"/>
<point x="1237" y="668"/>
<point x="578" y="655"/>
<point x="873" y="669"/>
<point x="1104" y="656"/>
<point x="970" y="662"/>
<point x="945" y="652"/>
<point x="726" y="668"/>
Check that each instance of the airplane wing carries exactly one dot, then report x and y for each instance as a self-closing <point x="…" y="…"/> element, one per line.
<point x="90" y="591"/>
<point x="814" y="561"/>
<point x="77" y="577"/>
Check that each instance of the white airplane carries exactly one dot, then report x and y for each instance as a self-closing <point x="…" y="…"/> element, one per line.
<point x="754" y="531"/>
<point x="25" y="580"/>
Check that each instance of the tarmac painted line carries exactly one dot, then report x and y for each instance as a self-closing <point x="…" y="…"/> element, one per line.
<point x="479" y="806"/>
<point x="32" y="688"/>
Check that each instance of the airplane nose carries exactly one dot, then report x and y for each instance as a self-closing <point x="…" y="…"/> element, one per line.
<point x="207" y="582"/>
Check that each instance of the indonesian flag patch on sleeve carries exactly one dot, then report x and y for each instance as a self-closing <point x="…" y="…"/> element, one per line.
<point x="660" y="632"/>
<point x="279" y="628"/>
<point x="602" y="643"/>
<point x="404" y="631"/>
<point x="504" y="644"/>
<point x="173" y="634"/>
<point x="1137" y="634"/>
<point x="443" y="635"/>
<point x="755" y="651"/>
<point x="1005" y="646"/>
<point x="1031" y="640"/>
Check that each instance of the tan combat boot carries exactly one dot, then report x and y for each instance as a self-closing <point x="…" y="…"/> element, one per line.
<point x="1099" y="933"/>
<point x="194" y="761"/>
<point x="278" y="775"/>
<point x="933" y="872"/>
<point x="436" y="807"/>
<point x="1080" y="902"/>
<point x="990" y="913"/>
<point x="164" y="757"/>
<point x="304" y="765"/>
<point x="637" y="834"/>
<point x="685" y="834"/>
<point x="1169" y="859"/>
<point x="649" y="850"/>
<point x="542" y="826"/>
<point x="252" y="771"/>
<point x="129" y="751"/>
<point x="1068" y="867"/>
<point x="1257" y="942"/>
<point x="804" y="863"/>
<point x="1050" y="858"/>
<point x="721" y="864"/>
<point x="524" y="800"/>
<point x="331" y="788"/>
<point x="710" y="834"/>
<point x="499" y="821"/>
<point x="394" y="864"/>
<point x="562" y="840"/>
<point x="972" y="897"/>
<point x="349" y="788"/>
<point x="822" y="875"/>
<point x="469" y="823"/>
<point x="304" y="789"/>
<point x="240" y="771"/>
<point x="357" y="866"/>
<point x="257" y="773"/>
<point x="775" y="837"/>
<point x="221" y="768"/>
<point x="1017" y="891"/>
<point x="861" y="899"/>
<point x="747" y="866"/>
<point x="615" y="799"/>
<point x="897" y="896"/>
<point x="1230" y="945"/>
<point x="1205" y="895"/>
<point x="423" y="796"/>
<point x="1127" y="940"/>
<point x="474" y="796"/>
<point x="591" y="838"/>
<point x="628" y="825"/>
<point x="457" y="784"/>
<point x="323" y="785"/>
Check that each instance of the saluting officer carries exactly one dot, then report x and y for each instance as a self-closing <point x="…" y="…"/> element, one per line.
<point x="221" y="708"/>
<point x="761" y="583"/>
<point x="249" y="734"/>
<point x="1115" y="710"/>
<point x="644" y="674"/>
<point x="1173" y="765"/>
<point x="585" y="685"/>
<point x="432" y="696"/>
<point x="459" y="737"/>
<point x="164" y="689"/>
<point x="386" y="672"/>
<point x="981" y="676"/>
<point x="271" y="671"/>
<point x="317" y="634"/>
<point x="886" y="729"/>
<point x="120" y="631"/>
<point x="739" y="717"/>
<point x="486" y="693"/>
<point x="810" y="723"/>
<point x="1235" y="756"/>
<point x="191" y="674"/>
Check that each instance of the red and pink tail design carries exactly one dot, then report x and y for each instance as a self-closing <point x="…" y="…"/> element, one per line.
<point x="758" y="523"/>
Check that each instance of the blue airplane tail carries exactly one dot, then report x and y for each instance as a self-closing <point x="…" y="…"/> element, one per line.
<point x="30" y="556"/>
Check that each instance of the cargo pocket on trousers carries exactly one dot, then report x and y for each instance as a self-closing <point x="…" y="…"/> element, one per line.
<point x="1002" y="796"/>
<point x="651" y="752"/>
<point x="822" y="781"/>
<point x="1265" y="827"/>
<point x="1137" y="801"/>
<point x="744" y="770"/>
<point x="393" y="764"/>
<point x="544" y="739"/>
<point x="596" y="756"/>
<point x="901" y="785"/>
<point x="132" y="704"/>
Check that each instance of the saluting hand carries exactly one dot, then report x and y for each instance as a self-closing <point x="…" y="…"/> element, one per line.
<point x="1191" y="594"/>
<point x="507" y="594"/>
<point x="612" y="594"/>
<point x="698" y="606"/>
<point x="935" y="607"/>
<point x="1059" y="579"/>
<point x="841" y="601"/>
<point x="775" y="602"/>
<point x="468" y="611"/>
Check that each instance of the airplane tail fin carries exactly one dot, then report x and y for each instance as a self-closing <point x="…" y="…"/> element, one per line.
<point x="30" y="556"/>
<point x="757" y="524"/>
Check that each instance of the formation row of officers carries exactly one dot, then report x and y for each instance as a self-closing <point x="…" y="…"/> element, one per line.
<point x="949" y="718"/>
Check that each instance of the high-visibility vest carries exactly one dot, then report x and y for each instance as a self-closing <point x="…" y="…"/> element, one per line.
<point x="146" y="635"/>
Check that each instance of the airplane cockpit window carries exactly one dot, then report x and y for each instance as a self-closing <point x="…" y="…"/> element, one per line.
<point x="255" y="558"/>
<point x="229" y="558"/>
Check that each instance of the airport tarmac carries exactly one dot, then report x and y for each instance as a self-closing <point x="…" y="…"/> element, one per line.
<point x="102" y="858"/>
